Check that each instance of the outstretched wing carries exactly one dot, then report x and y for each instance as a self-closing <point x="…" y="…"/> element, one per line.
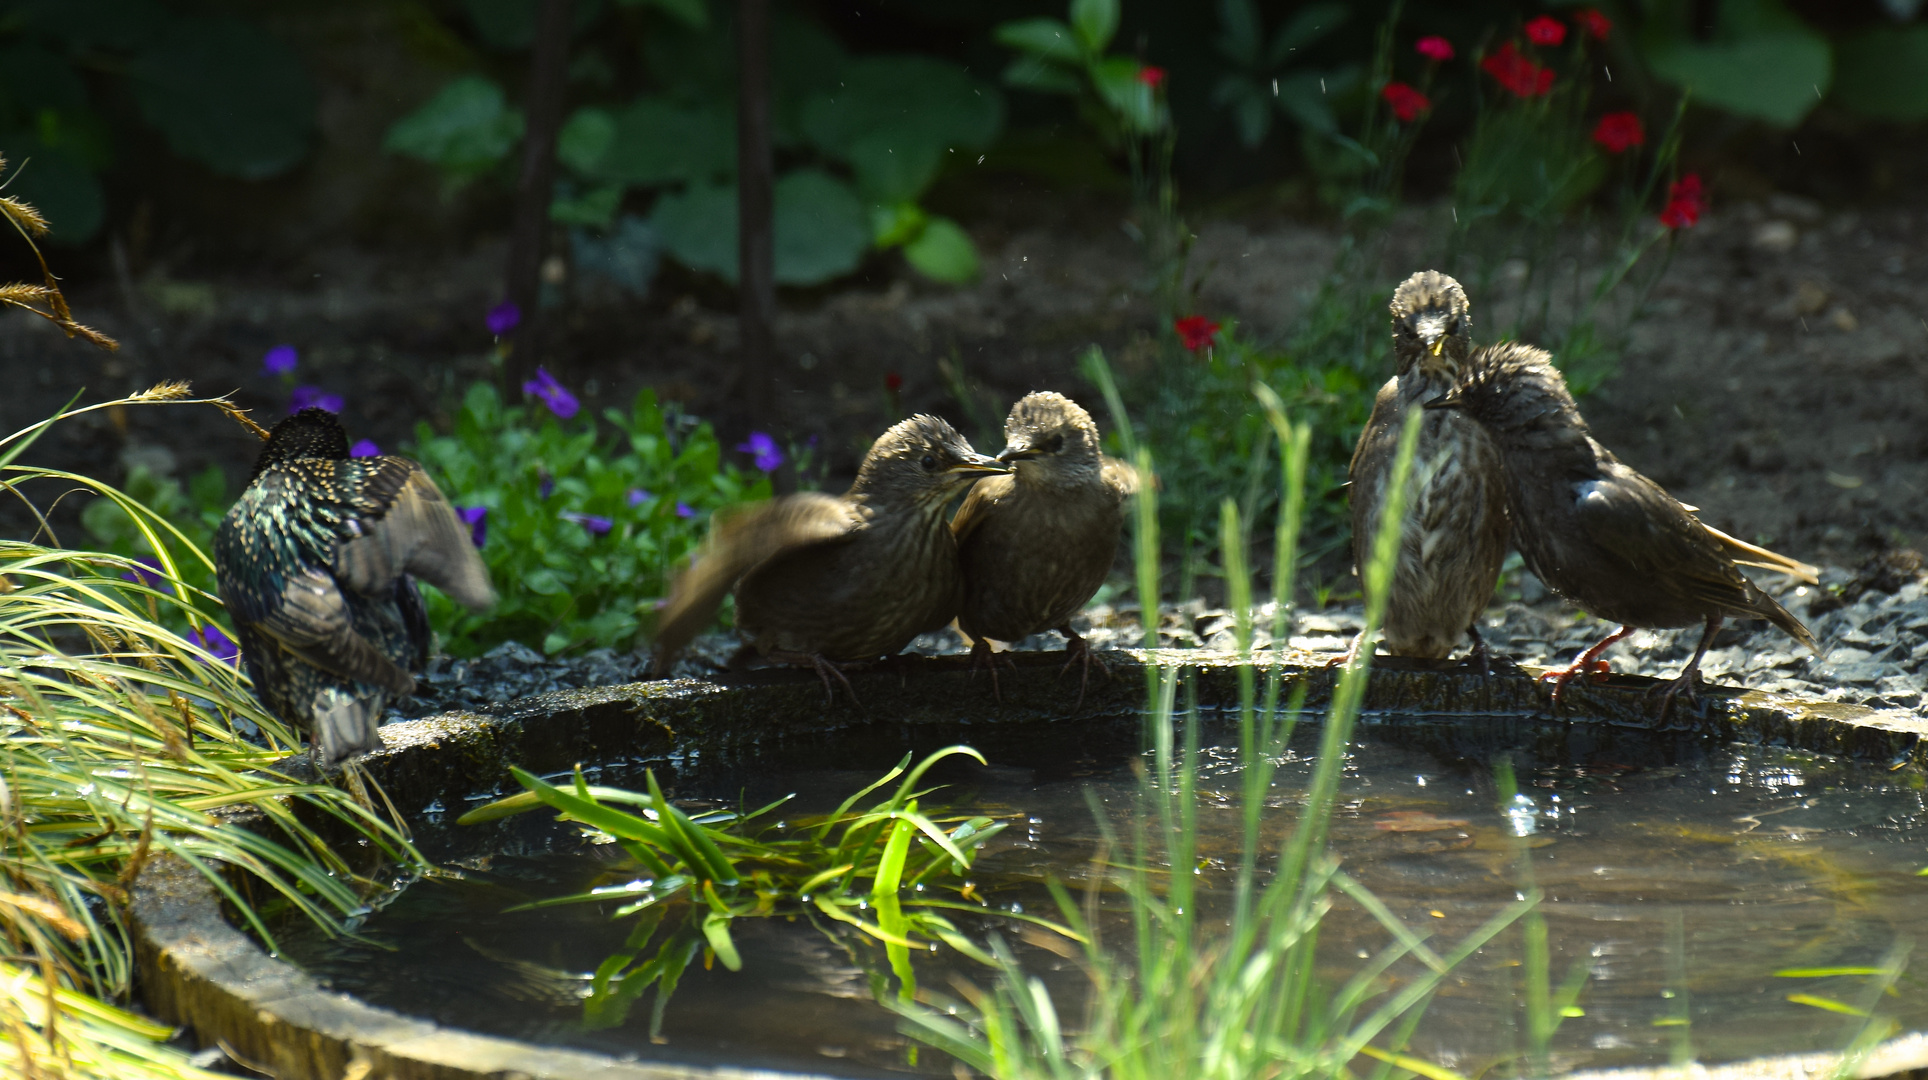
<point x="394" y="522"/>
<point x="739" y="542"/>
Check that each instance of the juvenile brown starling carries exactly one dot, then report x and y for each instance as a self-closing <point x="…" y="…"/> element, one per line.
<point x="829" y="579"/>
<point x="1600" y="534"/>
<point x="1456" y="526"/>
<point x="1037" y="544"/>
<point x="316" y="563"/>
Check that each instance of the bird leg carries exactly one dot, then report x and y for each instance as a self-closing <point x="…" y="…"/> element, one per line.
<point x="825" y="669"/>
<point x="1683" y="685"/>
<point x="1078" y="651"/>
<point x="982" y="656"/>
<point x="1480" y="657"/>
<point x="1589" y="664"/>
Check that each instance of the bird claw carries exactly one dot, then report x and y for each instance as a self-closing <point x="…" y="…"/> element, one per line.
<point x="1588" y="663"/>
<point x="1686" y="685"/>
<point x="825" y="669"/>
<point x="982" y="656"/>
<point x="1077" y="650"/>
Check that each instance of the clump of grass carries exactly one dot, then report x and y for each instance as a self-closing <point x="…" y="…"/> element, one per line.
<point x="887" y="871"/>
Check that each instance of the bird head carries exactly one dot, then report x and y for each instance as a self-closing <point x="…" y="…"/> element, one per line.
<point x="922" y="460"/>
<point x="1432" y="324"/>
<point x="1050" y="439"/>
<point x="1510" y="387"/>
<point x="310" y="433"/>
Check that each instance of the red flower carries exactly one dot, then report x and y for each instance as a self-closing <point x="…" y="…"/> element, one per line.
<point x="1406" y="102"/>
<point x="1153" y="77"/>
<point x="1685" y="203"/>
<point x="1545" y="30"/>
<point x="1518" y="73"/>
<point x="1195" y="331"/>
<point x="1594" y="23"/>
<point x="1434" y="48"/>
<point x="893" y="382"/>
<point x="1619" y="130"/>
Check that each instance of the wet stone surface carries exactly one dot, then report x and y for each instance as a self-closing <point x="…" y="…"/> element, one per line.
<point x="1872" y="647"/>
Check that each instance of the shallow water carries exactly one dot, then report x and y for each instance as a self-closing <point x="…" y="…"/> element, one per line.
<point x="1765" y="860"/>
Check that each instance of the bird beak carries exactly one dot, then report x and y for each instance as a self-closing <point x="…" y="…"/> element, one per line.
<point x="1448" y="400"/>
<point x="980" y="464"/>
<point x="1438" y="344"/>
<point x="1016" y="452"/>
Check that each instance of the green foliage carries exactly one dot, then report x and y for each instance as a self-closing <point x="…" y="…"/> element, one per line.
<point x="860" y="136"/>
<point x="465" y="129"/>
<point x="1255" y="69"/>
<point x="690" y="879"/>
<point x="221" y="91"/>
<point x="1115" y="94"/>
<point x="1883" y="73"/>
<point x="195" y="512"/>
<point x="1763" y="61"/>
<point x="654" y="476"/>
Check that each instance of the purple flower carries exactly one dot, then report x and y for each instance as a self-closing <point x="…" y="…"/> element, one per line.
<point x="544" y="386"/>
<point x="639" y="496"/>
<point x="683" y="510"/>
<point x="477" y="518"/>
<point x="152" y="578"/>
<point x="365" y="448"/>
<point x="545" y="484"/>
<point x="218" y="645"/>
<point x="596" y="524"/>
<point x="279" y="361"/>
<point x="503" y="318"/>
<point x="313" y="397"/>
<point x="768" y="457"/>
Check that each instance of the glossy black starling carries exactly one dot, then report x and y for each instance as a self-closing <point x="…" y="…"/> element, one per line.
<point x="1456" y="528"/>
<point x="1600" y="534"/>
<point x="1037" y="544"/>
<point x="830" y="579"/>
<point x="316" y="563"/>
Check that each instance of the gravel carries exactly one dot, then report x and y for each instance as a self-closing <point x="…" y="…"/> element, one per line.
<point x="1872" y="626"/>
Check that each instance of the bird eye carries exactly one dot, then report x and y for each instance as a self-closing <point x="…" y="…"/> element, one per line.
<point x="929" y="463"/>
<point x="1055" y="444"/>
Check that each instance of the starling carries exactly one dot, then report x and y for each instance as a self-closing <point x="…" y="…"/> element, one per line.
<point x="1037" y="544"/>
<point x="316" y="563"/>
<point x="1456" y="527"/>
<point x="830" y="579"/>
<point x="1600" y="534"/>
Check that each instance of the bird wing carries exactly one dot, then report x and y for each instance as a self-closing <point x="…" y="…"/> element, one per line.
<point x="739" y="542"/>
<point x="1632" y="517"/>
<point x="397" y="522"/>
<point x="977" y="505"/>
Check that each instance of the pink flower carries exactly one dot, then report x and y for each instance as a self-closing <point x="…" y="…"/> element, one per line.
<point x="1153" y="77"/>
<point x="1434" y="48"/>
<point x="1545" y="30"/>
<point x="1518" y="73"/>
<point x="1594" y="23"/>
<point x="1195" y="332"/>
<point x="1619" y="130"/>
<point x="1406" y="102"/>
<point x="1685" y="203"/>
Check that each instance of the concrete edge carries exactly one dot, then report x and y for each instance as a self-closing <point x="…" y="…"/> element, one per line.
<point x="197" y="970"/>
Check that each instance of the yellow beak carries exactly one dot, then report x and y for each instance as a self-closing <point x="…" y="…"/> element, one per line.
<point x="1438" y="344"/>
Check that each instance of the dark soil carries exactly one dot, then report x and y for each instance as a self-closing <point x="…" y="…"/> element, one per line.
<point x="1778" y="381"/>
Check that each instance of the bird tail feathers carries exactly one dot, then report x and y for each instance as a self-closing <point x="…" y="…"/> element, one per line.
<point x="345" y="726"/>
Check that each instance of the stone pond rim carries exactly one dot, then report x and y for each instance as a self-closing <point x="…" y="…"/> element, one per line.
<point x="196" y="970"/>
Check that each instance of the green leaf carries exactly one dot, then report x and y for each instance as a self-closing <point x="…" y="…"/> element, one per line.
<point x="698" y="227"/>
<point x="1763" y="61"/>
<point x="1119" y="86"/>
<point x="1047" y="38"/>
<point x="1883" y="73"/>
<point x="1311" y="23"/>
<point x="894" y="225"/>
<point x="716" y="930"/>
<point x="36" y="78"/>
<point x="889" y="170"/>
<point x="464" y="129"/>
<point x="595" y="207"/>
<point x="1095" y="21"/>
<point x="58" y="184"/>
<point x="658" y="142"/>
<point x="1303" y="97"/>
<point x="1251" y="107"/>
<point x="226" y="94"/>
<point x="906" y="102"/>
<point x="511" y="24"/>
<point x="1238" y="36"/>
<point x="943" y="252"/>
<point x="822" y="230"/>
<point x="1826" y="1004"/>
<point x="1044" y="76"/>
<point x="585" y="137"/>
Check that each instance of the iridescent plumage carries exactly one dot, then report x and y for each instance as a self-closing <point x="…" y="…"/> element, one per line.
<point x="316" y="563"/>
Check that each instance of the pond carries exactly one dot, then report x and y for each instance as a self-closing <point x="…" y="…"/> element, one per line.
<point x="1684" y="877"/>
